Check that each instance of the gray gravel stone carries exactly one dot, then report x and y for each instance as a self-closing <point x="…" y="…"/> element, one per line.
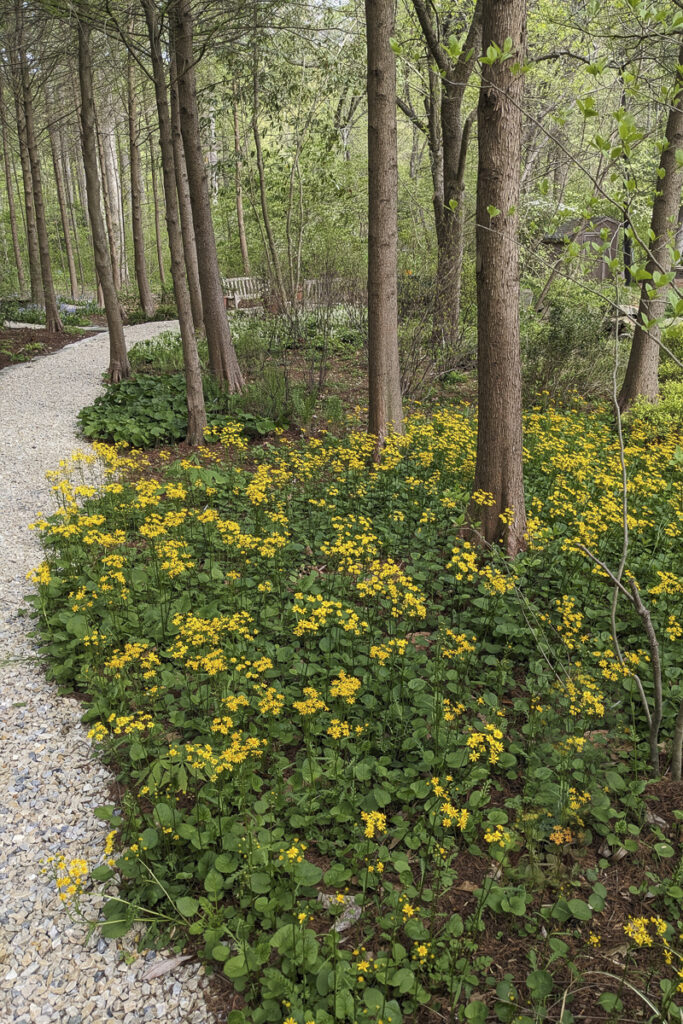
<point x="49" y="782"/>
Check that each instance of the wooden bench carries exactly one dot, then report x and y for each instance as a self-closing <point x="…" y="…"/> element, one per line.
<point x="237" y="290"/>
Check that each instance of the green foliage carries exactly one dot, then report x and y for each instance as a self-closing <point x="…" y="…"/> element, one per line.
<point x="673" y="339"/>
<point x="665" y="417"/>
<point x="568" y="345"/>
<point x="326" y="709"/>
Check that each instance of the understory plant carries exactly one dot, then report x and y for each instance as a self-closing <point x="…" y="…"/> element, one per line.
<point x="362" y="763"/>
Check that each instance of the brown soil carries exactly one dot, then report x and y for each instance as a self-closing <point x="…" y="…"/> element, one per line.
<point x="21" y="344"/>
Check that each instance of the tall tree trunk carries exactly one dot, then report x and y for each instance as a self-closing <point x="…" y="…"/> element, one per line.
<point x="448" y="139"/>
<point x="185" y="205"/>
<point x="18" y="261"/>
<point x="37" y="294"/>
<point x="222" y="356"/>
<point x="643" y="364"/>
<point x="157" y="218"/>
<point x="107" y="201"/>
<point x="238" y="186"/>
<point x="119" y="367"/>
<point x="498" y="470"/>
<point x="53" y="322"/>
<point x="145" y="292"/>
<point x="385" y="407"/>
<point x="196" y="412"/>
<point x="61" y="198"/>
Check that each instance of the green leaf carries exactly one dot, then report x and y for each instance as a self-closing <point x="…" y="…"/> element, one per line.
<point x="492" y="211"/>
<point x="540" y="984"/>
<point x="476" y="1011"/>
<point x="403" y="979"/>
<point x="213" y="882"/>
<point x="664" y="850"/>
<point x="580" y="910"/>
<point x="187" y="906"/>
<point x="307" y="873"/>
<point x="260" y="882"/>
<point x="235" y="967"/>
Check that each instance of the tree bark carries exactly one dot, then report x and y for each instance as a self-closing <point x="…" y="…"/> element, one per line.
<point x="196" y="412"/>
<point x="641" y="378"/>
<point x="61" y="199"/>
<point x="119" y="367"/>
<point x="18" y="261"/>
<point x="222" y="355"/>
<point x="448" y="140"/>
<point x="108" y="209"/>
<point x="37" y="295"/>
<point x="498" y="470"/>
<point x="246" y="266"/>
<point x="272" y="245"/>
<point x="385" y="404"/>
<point x="185" y="206"/>
<point x="53" y="322"/>
<point x="145" y="292"/>
<point x="157" y="218"/>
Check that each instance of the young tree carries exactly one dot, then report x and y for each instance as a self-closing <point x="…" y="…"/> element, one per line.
<point x="119" y="367"/>
<point x="222" y="355"/>
<point x="7" y="165"/>
<point x="498" y="470"/>
<point x="643" y="365"/>
<point x="385" y="407"/>
<point x="196" y="411"/>
<point x="144" y="290"/>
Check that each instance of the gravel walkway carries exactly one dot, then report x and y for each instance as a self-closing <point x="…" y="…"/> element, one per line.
<point x="49" y="782"/>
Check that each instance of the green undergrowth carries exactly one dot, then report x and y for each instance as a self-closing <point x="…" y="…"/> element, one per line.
<point x="368" y="771"/>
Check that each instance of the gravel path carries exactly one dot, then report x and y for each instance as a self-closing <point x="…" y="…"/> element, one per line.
<point x="49" y="782"/>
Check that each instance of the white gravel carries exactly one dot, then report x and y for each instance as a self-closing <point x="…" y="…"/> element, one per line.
<point x="49" y="781"/>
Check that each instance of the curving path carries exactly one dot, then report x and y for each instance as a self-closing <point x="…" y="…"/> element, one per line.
<point x="49" y="782"/>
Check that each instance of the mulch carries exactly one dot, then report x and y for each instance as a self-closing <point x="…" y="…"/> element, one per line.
<point x="21" y="344"/>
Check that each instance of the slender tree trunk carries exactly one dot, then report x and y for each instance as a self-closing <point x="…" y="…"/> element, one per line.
<point x="498" y="470"/>
<point x="222" y="356"/>
<point x="272" y="245"/>
<point x="108" y="209"/>
<point x="119" y="367"/>
<point x="53" y="322"/>
<point x="146" y="298"/>
<point x="185" y="206"/>
<point x="157" y="218"/>
<point x="37" y="294"/>
<point x="196" y="412"/>
<point x="643" y="364"/>
<point x="61" y="199"/>
<point x="238" y="187"/>
<point x="18" y="261"/>
<point x="385" y="407"/>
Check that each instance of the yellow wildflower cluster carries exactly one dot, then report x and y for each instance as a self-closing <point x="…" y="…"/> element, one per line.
<point x="375" y="821"/>
<point x="135" y="653"/>
<point x="70" y="876"/>
<point x="387" y="580"/>
<point x="340" y="730"/>
<point x="270" y="701"/>
<point x="383" y="652"/>
<point x="560" y="835"/>
<point x="455" y="645"/>
<point x="126" y="725"/>
<point x="354" y="544"/>
<point x="452" y="711"/>
<point x="644" y="930"/>
<point x="40" y="575"/>
<point x="345" y="686"/>
<point x="314" y="613"/>
<point x="488" y="742"/>
<point x="312" y="704"/>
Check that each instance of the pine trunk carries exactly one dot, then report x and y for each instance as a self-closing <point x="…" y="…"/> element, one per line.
<point x="119" y="367"/>
<point x="185" y="206"/>
<point x="222" y="355"/>
<point x="385" y="406"/>
<point x="238" y="190"/>
<point x="498" y="471"/>
<point x="145" y="292"/>
<point x="196" y="412"/>
<point x="61" y="200"/>
<point x="53" y="322"/>
<point x="157" y="217"/>
<point x="33" y="248"/>
<point x="643" y="365"/>
<point x="18" y="262"/>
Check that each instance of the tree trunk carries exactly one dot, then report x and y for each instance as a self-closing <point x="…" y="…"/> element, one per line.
<point x="157" y="219"/>
<point x="37" y="295"/>
<point x="146" y="298"/>
<point x="108" y="207"/>
<point x="222" y="356"/>
<point x="196" y="412"/>
<point x="185" y="206"/>
<point x="19" y="263"/>
<point x="498" y="470"/>
<point x="119" y="367"/>
<point x="61" y="199"/>
<point x="385" y="412"/>
<point x="643" y="364"/>
<point x="448" y="139"/>
<point x="238" y="188"/>
<point x="53" y="322"/>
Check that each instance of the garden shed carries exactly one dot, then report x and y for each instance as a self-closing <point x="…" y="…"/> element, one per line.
<point x="599" y="231"/>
